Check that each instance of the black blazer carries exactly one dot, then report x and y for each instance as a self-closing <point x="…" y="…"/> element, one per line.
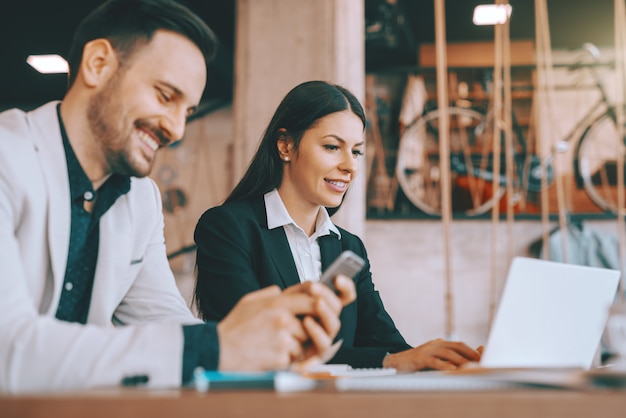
<point x="238" y="254"/>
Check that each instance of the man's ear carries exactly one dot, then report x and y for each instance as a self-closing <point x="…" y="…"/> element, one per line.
<point x="99" y="62"/>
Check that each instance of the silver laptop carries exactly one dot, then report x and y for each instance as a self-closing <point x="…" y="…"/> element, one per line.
<point x="550" y="315"/>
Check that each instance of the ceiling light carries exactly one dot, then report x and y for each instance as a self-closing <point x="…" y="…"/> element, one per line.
<point x="492" y="14"/>
<point x="48" y="64"/>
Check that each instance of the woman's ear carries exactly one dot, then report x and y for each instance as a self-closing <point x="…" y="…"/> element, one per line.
<point x="99" y="62"/>
<point x="284" y="144"/>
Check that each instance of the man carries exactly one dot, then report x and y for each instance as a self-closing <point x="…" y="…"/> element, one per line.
<point x="81" y="228"/>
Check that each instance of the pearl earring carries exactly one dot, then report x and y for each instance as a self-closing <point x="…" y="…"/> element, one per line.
<point x="286" y="158"/>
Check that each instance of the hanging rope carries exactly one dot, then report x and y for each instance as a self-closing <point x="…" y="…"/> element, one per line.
<point x="507" y="119"/>
<point x="620" y="44"/>
<point x="545" y="75"/>
<point x="540" y="12"/>
<point x="497" y="151"/>
<point x="444" y="163"/>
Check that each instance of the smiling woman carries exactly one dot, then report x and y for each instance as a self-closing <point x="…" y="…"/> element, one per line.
<point x="275" y="228"/>
<point x="319" y="168"/>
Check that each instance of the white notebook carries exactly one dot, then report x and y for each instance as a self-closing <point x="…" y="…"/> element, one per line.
<point x="345" y="370"/>
<point x="424" y="381"/>
<point x="479" y="379"/>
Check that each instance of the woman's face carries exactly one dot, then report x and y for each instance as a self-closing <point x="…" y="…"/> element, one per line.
<point x="326" y="162"/>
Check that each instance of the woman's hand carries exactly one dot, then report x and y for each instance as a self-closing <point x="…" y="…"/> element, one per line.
<point x="434" y="355"/>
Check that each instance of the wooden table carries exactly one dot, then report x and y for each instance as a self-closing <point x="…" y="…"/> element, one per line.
<point x="531" y="403"/>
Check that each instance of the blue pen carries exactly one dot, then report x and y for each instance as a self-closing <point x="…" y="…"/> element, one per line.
<point x="205" y="380"/>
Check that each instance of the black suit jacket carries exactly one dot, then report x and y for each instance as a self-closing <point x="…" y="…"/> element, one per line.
<point x="238" y="254"/>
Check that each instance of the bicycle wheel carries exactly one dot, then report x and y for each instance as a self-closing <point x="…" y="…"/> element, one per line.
<point x="471" y="161"/>
<point x="595" y="161"/>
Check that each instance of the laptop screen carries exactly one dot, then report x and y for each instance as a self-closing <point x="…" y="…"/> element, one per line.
<point x="550" y="315"/>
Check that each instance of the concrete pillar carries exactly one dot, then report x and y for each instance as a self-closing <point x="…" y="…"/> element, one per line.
<point x="281" y="43"/>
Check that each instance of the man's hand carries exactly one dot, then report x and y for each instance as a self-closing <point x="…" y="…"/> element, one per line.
<point x="270" y="330"/>
<point x="434" y="355"/>
<point x="323" y="327"/>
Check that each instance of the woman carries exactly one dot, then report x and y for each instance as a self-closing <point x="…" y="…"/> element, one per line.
<point x="275" y="228"/>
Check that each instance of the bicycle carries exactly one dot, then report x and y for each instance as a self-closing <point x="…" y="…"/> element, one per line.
<point x="471" y="157"/>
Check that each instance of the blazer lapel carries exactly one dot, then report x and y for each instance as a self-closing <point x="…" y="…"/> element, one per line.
<point x="278" y="248"/>
<point x="47" y="138"/>
<point x="330" y="248"/>
<point x="115" y="252"/>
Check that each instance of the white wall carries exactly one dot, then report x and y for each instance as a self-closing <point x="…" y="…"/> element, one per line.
<point x="407" y="258"/>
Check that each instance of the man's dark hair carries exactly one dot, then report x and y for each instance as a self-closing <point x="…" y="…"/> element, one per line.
<point x="127" y="24"/>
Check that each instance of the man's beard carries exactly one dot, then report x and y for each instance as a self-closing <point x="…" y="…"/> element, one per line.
<point x="113" y="144"/>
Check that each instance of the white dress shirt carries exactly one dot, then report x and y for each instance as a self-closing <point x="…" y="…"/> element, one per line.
<point x="304" y="249"/>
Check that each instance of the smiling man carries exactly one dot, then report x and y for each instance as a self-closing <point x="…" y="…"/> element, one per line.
<point x="81" y="230"/>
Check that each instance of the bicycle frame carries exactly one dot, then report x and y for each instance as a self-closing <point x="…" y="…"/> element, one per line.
<point x="532" y="172"/>
<point x="597" y="110"/>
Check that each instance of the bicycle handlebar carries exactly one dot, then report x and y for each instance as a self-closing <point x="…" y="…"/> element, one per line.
<point x="593" y="50"/>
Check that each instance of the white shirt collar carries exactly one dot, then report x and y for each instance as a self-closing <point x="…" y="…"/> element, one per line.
<point x="278" y="216"/>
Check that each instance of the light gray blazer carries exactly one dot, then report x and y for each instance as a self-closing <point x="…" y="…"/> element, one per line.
<point x="133" y="283"/>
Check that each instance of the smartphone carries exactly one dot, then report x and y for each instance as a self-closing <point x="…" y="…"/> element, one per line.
<point x="348" y="264"/>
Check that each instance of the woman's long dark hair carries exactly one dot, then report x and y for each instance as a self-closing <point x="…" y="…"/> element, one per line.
<point x="299" y="110"/>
